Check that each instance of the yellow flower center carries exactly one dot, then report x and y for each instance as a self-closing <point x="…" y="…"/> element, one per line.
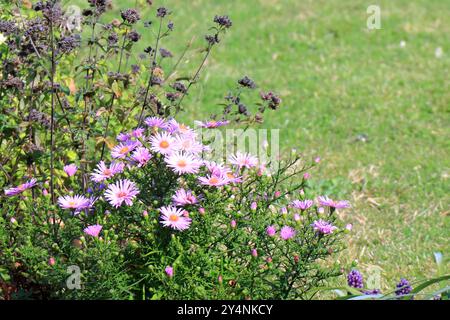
<point x="213" y="180"/>
<point x="181" y="163"/>
<point x="124" y="150"/>
<point x="164" y="144"/>
<point x="174" y="218"/>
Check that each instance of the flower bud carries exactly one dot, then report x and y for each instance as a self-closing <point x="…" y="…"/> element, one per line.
<point x="51" y="261"/>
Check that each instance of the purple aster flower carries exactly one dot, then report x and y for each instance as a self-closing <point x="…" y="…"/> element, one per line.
<point x="123" y="149"/>
<point x="169" y="271"/>
<point x="327" y="202"/>
<point x="355" y="279"/>
<point x="93" y="231"/>
<point x="21" y="188"/>
<point x="302" y="205"/>
<point x="138" y="132"/>
<point x="156" y="122"/>
<point x="287" y="233"/>
<point x="141" y="155"/>
<point x="271" y="231"/>
<point x="122" y="191"/>
<point x="184" y="197"/>
<point x="211" y="124"/>
<point x="323" y="227"/>
<point x="70" y="169"/>
<point x="403" y="287"/>
<point x="123" y="137"/>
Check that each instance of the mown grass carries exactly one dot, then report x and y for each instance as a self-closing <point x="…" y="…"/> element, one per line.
<point x="341" y="82"/>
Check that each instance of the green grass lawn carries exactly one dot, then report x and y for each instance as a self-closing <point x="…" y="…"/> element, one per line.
<point x="339" y="81"/>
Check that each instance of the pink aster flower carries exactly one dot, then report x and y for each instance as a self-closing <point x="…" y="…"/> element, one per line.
<point x="271" y="231"/>
<point x="70" y="169"/>
<point x="123" y="137"/>
<point x="176" y="127"/>
<point x="243" y="160"/>
<point x="141" y="155"/>
<point x="156" y="122"/>
<point x="138" y="132"/>
<point x="323" y="227"/>
<point x="123" y="149"/>
<point x="76" y="202"/>
<point x="213" y="181"/>
<point x="183" y="163"/>
<point x="21" y="188"/>
<point x="302" y="205"/>
<point x="287" y="233"/>
<point x="211" y="123"/>
<point x="162" y="143"/>
<point x="174" y="218"/>
<point x="169" y="271"/>
<point x="183" y="197"/>
<point x="188" y="144"/>
<point x="121" y="191"/>
<point x="231" y="177"/>
<point x="102" y="172"/>
<point x="253" y="206"/>
<point x="216" y="169"/>
<point x="94" y="230"/>
<point x="327" y="202"/>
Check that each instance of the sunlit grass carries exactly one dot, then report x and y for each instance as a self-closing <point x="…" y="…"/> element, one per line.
<point x="377" y="113"/>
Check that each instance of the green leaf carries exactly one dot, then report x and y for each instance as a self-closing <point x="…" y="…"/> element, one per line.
<point x="429" y="283"/>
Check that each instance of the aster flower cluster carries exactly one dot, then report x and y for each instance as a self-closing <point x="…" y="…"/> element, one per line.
<point x="154" y="189"/>
<point x="181" y="152"/>
<point x="159" y="184"/>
